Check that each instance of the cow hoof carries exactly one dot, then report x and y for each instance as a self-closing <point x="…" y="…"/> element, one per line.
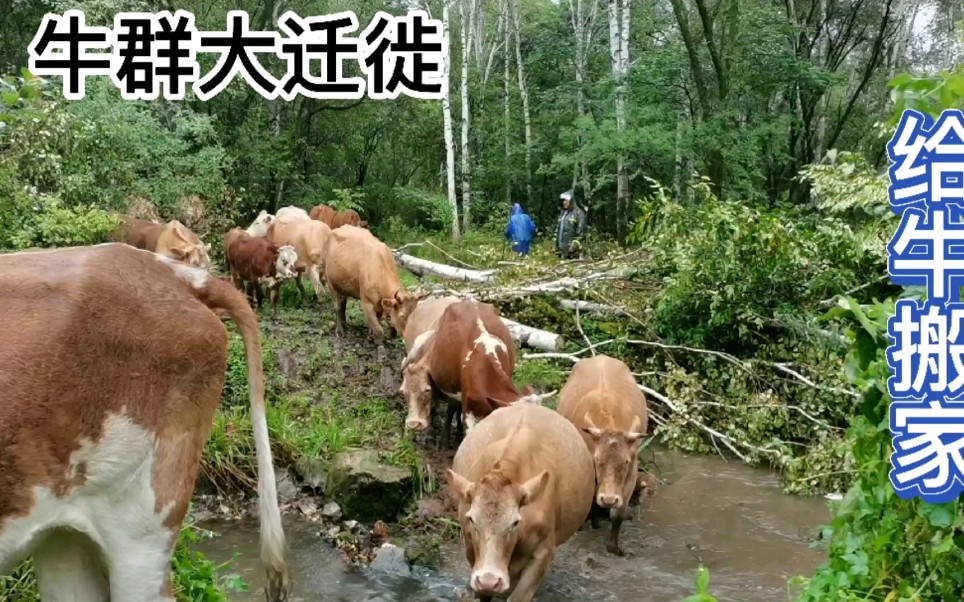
<point x="615" y="550"/>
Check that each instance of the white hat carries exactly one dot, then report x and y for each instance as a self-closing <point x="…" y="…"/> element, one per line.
<point x="566" y="196"/>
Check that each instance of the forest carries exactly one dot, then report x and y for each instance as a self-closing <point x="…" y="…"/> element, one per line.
<point x="730" y="157"/>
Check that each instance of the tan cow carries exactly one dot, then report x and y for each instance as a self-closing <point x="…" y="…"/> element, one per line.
<point x="309" y="238"/>
<point x="110" y="380"/>
<point x="291" y="214"/>
<point x="360" y="266"/>
<point x="524" y="482"/>
<point x="601" y="398"/>
<point x="172" y="239"/>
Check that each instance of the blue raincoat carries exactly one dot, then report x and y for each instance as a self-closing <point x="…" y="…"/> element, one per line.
<point x="520" y="230"/>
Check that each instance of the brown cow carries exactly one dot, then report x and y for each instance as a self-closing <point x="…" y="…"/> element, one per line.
<point x="172" y="239"/>
<point x="348" y="217"/>
<point x="258" y="261"/>
<point x="601" y="398"/>
<point x="309" y="238"/>
<point x="360" y="266"/>
<point x="524" y="483"/>
<point x="110" y="382"/>
<point x="471" y="358"/>
<point x="323" y="213"/>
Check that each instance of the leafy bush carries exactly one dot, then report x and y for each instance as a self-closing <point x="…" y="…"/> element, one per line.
<point x="882" y="547"/>
<point x="730" y="269"/>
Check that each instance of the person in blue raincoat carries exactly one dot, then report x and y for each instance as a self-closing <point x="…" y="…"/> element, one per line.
<point x="520" y="230"/>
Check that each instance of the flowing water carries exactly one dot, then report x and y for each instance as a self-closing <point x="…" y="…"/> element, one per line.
<point x="728" y="516"/>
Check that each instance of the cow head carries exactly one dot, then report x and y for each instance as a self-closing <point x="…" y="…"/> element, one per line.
<point x="614" y="456"/>
<point x="285" y="264"/>
<point x="399" y="308"/>
<point x="490" y="512"/>
<point x="259" y="227"/>
<point x="193" y="254"/>
<point x="416" y="382"/>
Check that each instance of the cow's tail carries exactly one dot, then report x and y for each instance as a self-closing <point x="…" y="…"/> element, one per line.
<point x="222" y="297"/>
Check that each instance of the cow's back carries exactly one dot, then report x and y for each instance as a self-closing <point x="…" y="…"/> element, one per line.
<point x="323" y="213"/>
<point x="357" y="263"/>
<point x="603" y="386"/>
<point x="534" y="438"/>
<point x="457" y="331"/>
<point x="349" y="217"/>
<point x="308" y="237"/>
<point x="103" y="332"/>
<point x="138" y="233"/>
<point x="425" y="317"/>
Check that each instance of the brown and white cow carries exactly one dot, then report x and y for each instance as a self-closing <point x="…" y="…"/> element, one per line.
<point x="524" y="482"/>
<point x="172" y="239"/>
<point x="257" y="262"/>
<point x="471" y="358"/>
<point x="323" y="213"/>
<point x="360" y="266"/>
<point x="602" y="400"/>
<point x="108" y="386"/>
<point x="349" y="217"/>
<point x="309" y="238"/>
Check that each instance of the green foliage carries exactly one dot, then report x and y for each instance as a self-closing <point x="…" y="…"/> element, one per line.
<point x="881" y="547"/>
<point x="702" y="587"/>
<point x="928" y="94"/>
<point x="729" y="269"/>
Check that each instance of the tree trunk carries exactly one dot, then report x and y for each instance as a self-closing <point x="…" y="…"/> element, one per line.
<point x="468" y="30"/>
<point x="506" y="94"/>
<point x="619" y="53"/>
<point x="582" y="26"/>
<point x="449" y="134"/>
<point x="524" y="92"/>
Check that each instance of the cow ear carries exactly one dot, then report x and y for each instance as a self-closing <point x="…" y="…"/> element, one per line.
<point x="635" y="435"/>
<point x="590" y="428"/>
<point x="178" y="253"/>
<point x="460" y="486"/>
<point x="532" y="488"/>
<point x="389" y="304"/>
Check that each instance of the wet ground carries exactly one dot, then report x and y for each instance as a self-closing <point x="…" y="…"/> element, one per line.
<point x="728" y="516"/>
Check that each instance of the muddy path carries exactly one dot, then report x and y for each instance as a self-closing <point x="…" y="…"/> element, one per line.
<point x="728" y="516"/>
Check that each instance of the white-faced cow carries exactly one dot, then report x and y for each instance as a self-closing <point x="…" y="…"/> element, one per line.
<point x="524" y="482"/>
<point x="111" y="369"/>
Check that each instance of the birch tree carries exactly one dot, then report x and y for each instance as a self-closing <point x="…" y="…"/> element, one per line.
<point x="524" y="93"/>
<point x="468" y="40"/>
<point x="619" y="54"/>
<point x="506" y="95"/>
<point x="447" y="122"/>
<point x="583" y="14"/>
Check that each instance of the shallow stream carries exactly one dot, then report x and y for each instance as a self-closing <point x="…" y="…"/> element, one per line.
<point x="731" y="517"/>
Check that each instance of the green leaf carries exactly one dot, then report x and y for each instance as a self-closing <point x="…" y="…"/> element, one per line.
<point x="900" y="80"/>
<point x="939" y="515"/>
<point x="10" y="98"/>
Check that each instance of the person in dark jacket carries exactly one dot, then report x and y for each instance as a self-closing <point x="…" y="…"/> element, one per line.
<point x="571" y="227"/>
<point x="520" y="230"/>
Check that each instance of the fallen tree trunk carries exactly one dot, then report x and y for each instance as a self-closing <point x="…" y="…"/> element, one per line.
<point x="589" y="306"/>
<point x="534" y="337"/>
<point x="424" y="267"/>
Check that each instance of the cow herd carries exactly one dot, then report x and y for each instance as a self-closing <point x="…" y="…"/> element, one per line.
<point x="112" y="373"/>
